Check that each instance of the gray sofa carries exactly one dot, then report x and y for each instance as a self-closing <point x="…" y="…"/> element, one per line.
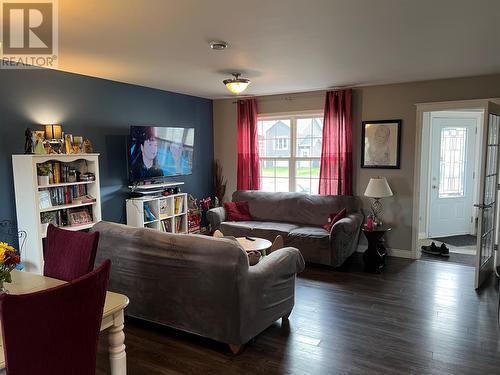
<point x="198" y="284"/>
<point x="298" y="217"/>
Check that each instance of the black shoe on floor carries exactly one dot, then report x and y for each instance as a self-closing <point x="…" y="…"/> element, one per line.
<point x="432" y="249"/>
<point x="444" y="251"/>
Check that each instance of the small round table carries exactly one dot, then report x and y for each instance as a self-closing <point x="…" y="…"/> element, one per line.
<point x="260" y="244"/>
<point x="374" y="256"/>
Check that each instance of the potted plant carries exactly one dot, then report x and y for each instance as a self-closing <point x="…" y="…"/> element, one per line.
<point x="43" y="172"/>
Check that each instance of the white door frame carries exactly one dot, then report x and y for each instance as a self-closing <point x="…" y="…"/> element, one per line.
<point x="478" y="116"/>
<point x="465" y="105"/>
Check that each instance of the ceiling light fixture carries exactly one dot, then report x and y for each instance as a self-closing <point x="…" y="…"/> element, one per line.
<point x="236" y="85"/>
<point x="218" y="45"/>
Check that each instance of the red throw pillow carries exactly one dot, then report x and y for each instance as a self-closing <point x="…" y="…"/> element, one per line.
<point x="237" y="211"/>
<point x="336" y="216"/>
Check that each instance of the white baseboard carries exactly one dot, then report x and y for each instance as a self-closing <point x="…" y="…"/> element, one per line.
<point x="398" y="253"/>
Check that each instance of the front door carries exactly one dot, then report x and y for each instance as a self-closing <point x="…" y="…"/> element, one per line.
<point x="452" y="176"/>
<point x="488" y="195"/>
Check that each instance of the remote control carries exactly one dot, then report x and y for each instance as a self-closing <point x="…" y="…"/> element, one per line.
<point x="250" y="238"/>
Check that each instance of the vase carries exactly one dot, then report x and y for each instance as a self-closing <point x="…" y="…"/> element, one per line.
<point x="43" y="180"/>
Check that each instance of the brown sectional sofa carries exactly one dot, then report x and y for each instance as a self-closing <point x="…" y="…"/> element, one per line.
<point x="298" y="217"/>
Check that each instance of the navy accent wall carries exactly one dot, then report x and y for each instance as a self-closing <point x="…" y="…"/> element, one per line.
<point x="102" y="111"/>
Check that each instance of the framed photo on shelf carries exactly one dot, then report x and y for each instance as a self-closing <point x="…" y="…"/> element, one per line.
<point x="79" y="217"/>
<point x="381" y="144"/>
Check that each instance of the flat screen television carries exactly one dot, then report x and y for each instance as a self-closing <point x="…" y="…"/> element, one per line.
<point x="159" y="152"/>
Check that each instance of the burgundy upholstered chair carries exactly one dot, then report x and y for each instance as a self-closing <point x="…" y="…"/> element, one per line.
<point x="69" y="255"/>
<point x="55" y="331"/>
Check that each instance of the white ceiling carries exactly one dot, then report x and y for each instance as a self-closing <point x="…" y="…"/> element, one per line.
<point x="281" y="45"/>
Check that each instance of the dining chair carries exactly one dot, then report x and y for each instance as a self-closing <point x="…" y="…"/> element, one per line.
<point x="68" y="254"/>
<point x="218" y="234"/>
<point x="55" y="331"/>
<point x="278" y="243"/>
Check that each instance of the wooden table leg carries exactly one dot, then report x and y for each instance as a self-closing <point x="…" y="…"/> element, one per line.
<point x="116" y="338"/>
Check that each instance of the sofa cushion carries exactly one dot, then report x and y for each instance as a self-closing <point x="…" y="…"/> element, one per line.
<point x="309" y="232"/>
<point x="313" y="242"/>
<point x="237" y="228"/>
<point x="270" y="229"/>
<point x="336" y="216"/>
<point x="237" y="211"/>
<point x="263" y="229"/>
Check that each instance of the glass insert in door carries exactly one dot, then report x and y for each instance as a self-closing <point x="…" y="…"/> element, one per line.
<point x="490" y="191"/>
<point x="452" y="162"/>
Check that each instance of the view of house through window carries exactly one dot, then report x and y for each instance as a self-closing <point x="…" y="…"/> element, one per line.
<point x="290" y="151"/>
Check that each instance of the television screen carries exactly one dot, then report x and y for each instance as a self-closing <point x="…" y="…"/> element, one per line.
<point x="157" y="152"/>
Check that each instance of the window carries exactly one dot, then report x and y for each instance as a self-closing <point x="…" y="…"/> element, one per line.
<point x="452" y="162"/>
<point x="290" y="151"/>
<point x="281" y="143"/>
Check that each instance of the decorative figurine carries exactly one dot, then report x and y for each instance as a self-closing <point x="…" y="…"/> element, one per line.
<point x="28" y="143"/>
<point x="68" y="146"/>
<point x="87" y="146"/>
<point x="39" y="146"/>
<point x="77" y="144"/>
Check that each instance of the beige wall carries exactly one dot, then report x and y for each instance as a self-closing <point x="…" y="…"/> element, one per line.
<point x="369" y="103"/>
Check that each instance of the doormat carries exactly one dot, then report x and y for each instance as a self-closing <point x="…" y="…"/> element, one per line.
<point x="458" y="241"/>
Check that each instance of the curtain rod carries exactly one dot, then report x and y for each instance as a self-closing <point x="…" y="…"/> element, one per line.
<point x="287" y="98"/>
<point x="290" y="97"/>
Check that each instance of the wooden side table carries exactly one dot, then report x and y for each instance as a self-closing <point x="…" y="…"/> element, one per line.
<point x="374" y="256"/>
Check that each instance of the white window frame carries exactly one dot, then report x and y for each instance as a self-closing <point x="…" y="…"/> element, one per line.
<point x="293" y="158"/>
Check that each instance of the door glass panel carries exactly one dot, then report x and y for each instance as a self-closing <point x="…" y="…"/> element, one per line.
<point x="490" y="191"/>
<point x="452" y="162"/>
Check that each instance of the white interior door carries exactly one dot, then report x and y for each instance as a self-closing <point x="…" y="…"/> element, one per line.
<point x="451" y="190"/>
<point x="488" y="195"/>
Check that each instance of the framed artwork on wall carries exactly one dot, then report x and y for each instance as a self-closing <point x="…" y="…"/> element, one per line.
<point x="381" y="144"/>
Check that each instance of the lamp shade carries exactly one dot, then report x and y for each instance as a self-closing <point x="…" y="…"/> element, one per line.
<point x="53" y="131"/>
<point x="378" y="188"/>
<point x="236" y="85"/>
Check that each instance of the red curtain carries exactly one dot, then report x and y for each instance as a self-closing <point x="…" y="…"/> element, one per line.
<point x="335" y="176"/>
<point x="248" y="146"/>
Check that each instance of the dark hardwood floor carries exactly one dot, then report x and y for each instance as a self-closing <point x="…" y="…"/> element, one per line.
<point x="418" y="317"/>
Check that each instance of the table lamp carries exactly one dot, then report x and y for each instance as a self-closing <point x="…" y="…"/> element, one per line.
<point x="54" y="136"/>
<point x="378" y="188"/>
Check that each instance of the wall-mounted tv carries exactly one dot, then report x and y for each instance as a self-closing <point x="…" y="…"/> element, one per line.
<point x="158" y="152"/>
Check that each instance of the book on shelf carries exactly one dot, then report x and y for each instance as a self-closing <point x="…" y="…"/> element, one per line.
<point x="164" y="211"/>
<point x="148" y="213"/>
<point x="178" y="224"/>
<point x="63" y="172"/>
<point x="166" y="226"/>
<point x="178" y="204"/>
<point x="56" y="172"/>
<point x="58" y="196"/>
<point x="67" y="217"/>
<point x="84" y="199"/>
<point x="44" y="199"/>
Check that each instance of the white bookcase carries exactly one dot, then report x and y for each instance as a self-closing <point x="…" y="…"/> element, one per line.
<point x="164" y="213"/>
<point x="28" y="195"/>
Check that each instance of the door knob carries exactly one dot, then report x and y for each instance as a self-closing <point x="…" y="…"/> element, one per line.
<point x="434" y="186"/>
